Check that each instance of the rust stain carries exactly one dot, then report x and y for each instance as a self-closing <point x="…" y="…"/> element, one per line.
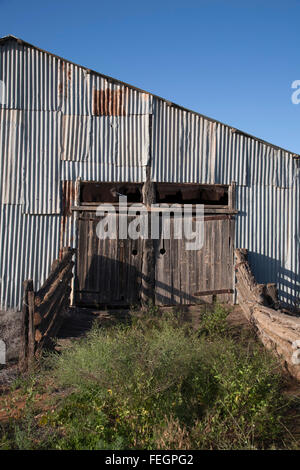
<point x="61" y="82"/>
<point x="108" y="102"/>
<point x="68" y="199"/>
<point x="65" y="78"/>
<point x="69" y="72"/>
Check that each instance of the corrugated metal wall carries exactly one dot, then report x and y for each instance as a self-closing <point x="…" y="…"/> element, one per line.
<point x="188" y="148"/>
<point x="60" y="121"/>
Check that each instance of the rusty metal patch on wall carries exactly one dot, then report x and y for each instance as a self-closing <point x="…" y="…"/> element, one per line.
<point x="64" y="79"/>
<point x="108" y="102"/>
<point x="68" y="200"/>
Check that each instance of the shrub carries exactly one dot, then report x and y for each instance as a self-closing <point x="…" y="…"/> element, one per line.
<point x="158" y="384"/>
<point x="214" y="322"/>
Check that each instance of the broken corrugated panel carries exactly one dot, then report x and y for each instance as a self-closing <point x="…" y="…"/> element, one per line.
<point x="42" y="165"/>
<point x="30" y="77"/>
<point x="13" y="148"/>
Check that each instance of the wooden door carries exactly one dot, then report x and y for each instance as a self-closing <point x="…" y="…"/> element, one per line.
<point x="187" y="277"/>
<point x="108" y="272"/>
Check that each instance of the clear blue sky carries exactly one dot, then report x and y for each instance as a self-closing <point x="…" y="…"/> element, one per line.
<point x="231" y="60"/>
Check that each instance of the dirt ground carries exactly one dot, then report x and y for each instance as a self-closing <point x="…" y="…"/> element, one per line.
<point x="10" y="331"/>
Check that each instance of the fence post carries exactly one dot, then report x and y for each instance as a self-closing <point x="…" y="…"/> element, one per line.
<point x="31" y="329"/>
<point x="42" y="311"/>
<point x="232" y="196"/>
<point x="23" y="358"/>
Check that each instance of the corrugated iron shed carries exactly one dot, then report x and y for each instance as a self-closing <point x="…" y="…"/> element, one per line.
<point x="61" y="121"/>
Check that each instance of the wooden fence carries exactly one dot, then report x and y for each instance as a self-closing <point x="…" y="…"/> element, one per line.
<point x="43" y="311"/>
<point x="278" y="328"/>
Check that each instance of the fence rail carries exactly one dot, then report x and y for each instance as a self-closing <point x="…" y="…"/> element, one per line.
<point x="278" y="329"/>
<point x="43" y="311"/>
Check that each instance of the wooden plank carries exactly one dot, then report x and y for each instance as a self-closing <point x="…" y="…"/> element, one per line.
<point x="82" y="258"/>
<point x="213" y="292"/>
<point x="43" y="337"/>
<point x="232" y="196"/>
<point x="222" y="234"/>
<point x="53" y="275"/>
<point x="231" y="250"/>
<point x="207" y="209"/>
<point x="31" y="328"/>
<point x="46" y="308"/>
<point x="43" y="308"/>
<point x="23" y="358"/>
<point x="58" y="285"/>
<point x="148" y="259"/>
<point x="278" y="331"/>
<point x="208" y="245"/>
<point x="217" y="217"/>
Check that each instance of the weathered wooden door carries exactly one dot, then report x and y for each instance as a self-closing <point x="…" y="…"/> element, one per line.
<point x="187" y="277"/>
<point x="109" y="271"/>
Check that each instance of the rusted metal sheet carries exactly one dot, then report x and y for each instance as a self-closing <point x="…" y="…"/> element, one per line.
<point x="110" y="98"/>
<point x="74" y="92"/>
<point x="67" y="229"/>
<point x="68" y="197"/>
<point x="108" y="102"/>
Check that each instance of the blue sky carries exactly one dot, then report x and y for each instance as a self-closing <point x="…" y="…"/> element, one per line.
<point x="231" y="60"/>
